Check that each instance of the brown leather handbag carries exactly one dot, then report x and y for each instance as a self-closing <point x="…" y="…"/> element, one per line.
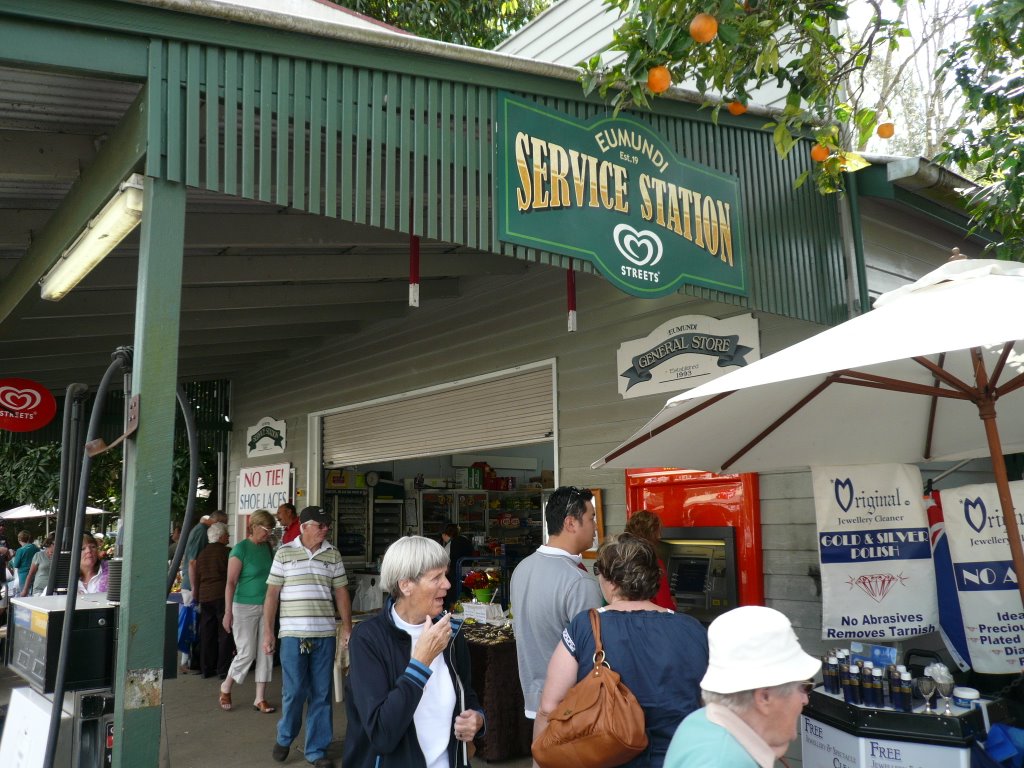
<point x="599" y="723"/>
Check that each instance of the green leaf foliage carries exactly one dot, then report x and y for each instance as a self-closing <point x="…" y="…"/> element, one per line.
<point x="794" y="45"/>
<point x="988" y="67"/>
<point x="467" y="22"/>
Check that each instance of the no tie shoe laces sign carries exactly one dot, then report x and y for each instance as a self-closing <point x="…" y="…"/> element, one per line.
<point x="612" y="192"/>
<point x="25" y="405"/>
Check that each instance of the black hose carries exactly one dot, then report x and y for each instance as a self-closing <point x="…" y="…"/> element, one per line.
<point x="193" y="482"/>
<point x="122" y="359"/>
<point x="70" y="461"/>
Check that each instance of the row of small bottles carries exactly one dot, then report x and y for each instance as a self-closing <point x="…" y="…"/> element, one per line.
<point x="867" y="685"/>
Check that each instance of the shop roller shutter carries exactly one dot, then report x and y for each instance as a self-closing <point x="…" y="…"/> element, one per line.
<point x="514" y="409"/>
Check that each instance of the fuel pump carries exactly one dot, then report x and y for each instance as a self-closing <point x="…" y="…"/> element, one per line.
<point x="64" y="717"/>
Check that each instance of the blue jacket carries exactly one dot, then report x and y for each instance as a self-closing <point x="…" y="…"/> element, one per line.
<point x="383" y="689"/>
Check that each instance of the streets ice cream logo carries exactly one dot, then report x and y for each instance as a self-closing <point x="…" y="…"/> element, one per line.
<point x="20" y="400"/>
<point x="876" y="585"/>
<point x="25" y="405"/>
<point x="641" y="249"/>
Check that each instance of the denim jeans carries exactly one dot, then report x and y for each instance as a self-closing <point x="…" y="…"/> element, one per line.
<point x="306" y="679"/>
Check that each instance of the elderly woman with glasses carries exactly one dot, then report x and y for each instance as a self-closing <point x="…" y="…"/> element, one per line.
<point x="246" y="587"/>
<point x="659" y="654"/>
<point x="409" y="700"/>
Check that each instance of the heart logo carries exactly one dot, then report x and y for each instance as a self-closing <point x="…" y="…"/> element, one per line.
<point x="844" y="494"/>
<point x="19" y="399"/>
<point x="975" y="508"/>
<point x="640" y="248"/>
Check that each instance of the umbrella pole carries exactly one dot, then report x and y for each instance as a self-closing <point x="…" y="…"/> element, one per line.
<point x="988" y="417"/>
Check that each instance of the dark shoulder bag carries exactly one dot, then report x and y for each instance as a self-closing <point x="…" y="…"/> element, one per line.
<point x="599" y="723"/>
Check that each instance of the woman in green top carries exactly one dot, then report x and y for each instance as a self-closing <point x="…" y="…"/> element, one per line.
<point x="248" y="568"/>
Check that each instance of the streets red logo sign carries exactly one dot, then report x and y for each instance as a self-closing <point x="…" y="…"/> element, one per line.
<point x="25" y="405"/>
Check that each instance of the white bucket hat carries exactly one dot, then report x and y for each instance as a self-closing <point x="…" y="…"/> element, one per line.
<point x="754" y="647"/>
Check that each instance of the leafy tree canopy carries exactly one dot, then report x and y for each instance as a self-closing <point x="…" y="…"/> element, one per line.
<point x="801" y="48"/>
<point x="468" y="22"/>
<point x="796" y="46"/>
<point x="989" y="70"/>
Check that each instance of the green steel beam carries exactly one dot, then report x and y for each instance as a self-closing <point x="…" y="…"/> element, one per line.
<point x="77" y="49"/>
<point x="138" y="682"/>
<point x="120" y="156"/>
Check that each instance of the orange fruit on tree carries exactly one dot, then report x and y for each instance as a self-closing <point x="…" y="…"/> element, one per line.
<point x="819" y="153"/>
<point x="658" y="79"/>
<point x="704" y="27"/>
<point x="736" y="108"/>
<point x="886" y="130"/>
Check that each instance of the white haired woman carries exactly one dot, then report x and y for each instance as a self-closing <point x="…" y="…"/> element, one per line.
<point x="215" y="645"/>
<point x="246" y="588"/>
<point x="409" y="698"/>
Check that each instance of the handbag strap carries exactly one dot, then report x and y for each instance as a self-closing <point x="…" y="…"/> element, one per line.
<point x="595" y="624"/>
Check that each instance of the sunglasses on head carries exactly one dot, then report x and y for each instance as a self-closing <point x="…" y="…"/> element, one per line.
<point x="579" y="493"/>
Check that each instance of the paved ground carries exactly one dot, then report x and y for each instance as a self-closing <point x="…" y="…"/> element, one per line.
<point x="198" y="734"/>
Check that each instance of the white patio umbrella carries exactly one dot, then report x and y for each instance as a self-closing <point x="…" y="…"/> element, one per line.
<point x="916" y="379"/>
<point x="29" y="511"/>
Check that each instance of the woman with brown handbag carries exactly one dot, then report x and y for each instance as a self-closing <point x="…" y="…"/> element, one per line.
<point x="659" y="655"/>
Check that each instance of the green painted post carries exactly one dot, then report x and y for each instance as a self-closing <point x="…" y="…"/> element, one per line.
<point x="138" y="685"/>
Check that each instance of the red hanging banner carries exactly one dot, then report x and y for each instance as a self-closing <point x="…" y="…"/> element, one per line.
<point x="25" y="405"/>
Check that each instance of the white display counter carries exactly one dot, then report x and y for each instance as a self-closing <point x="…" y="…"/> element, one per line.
<point x="835" y="734"/>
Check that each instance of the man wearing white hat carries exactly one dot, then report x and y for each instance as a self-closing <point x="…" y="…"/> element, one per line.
<point x="754" y="690"/>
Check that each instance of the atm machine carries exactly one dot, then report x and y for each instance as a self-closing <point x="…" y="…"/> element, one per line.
<point x="710" y="536"/>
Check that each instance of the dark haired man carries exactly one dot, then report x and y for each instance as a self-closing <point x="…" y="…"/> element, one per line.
<point x="457" y="546"/>
<point x="289" y="520"/>
<point x="551" y="586"/>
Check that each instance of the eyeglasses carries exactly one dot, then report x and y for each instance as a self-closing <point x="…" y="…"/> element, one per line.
<point x="321" y="526"/>
<point x="579" y="493"/>
<point x="805" y="687"/>
<point x="263" y="528"/>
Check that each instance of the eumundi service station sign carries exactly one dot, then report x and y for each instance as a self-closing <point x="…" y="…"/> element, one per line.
<point x="612" y="192"/>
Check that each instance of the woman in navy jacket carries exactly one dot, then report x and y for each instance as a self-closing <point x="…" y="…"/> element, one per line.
<point x="408" y="698"/>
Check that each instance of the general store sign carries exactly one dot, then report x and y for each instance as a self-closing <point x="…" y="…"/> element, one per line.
<point x="610" y="191"/>
<point x="686" y="352"/>
<point x="25" y="405"/>
<point x="268" y="436"/>
<point x="263" y="487"/>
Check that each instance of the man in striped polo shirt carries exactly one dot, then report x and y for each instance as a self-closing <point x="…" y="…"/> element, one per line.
<point x="304" y="574"/>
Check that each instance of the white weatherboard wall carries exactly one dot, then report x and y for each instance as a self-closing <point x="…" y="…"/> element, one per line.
<point x="496" y="323"/>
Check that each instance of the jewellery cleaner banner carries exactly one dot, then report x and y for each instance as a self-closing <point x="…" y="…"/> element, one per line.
<point x="877" y="580"/>
<point x="986" y="584"/>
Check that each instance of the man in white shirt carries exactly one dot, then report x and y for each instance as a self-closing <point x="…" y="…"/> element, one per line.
<point x="306" y="573"/>
<point x="551" y="586"/>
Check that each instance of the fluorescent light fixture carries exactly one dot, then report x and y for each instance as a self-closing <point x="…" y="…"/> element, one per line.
<point x="110" y="226"/>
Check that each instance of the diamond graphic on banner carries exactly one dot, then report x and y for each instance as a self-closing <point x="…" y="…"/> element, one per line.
<point x="876" y="585"/>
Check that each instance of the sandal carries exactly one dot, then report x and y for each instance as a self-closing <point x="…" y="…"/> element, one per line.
<point x="264" y="707"/>
<point x="225" y="701"/>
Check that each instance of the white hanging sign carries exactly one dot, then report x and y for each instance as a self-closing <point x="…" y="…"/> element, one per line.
<point x="686" y="352"/>
<point x="263" y="487"/>
<point x="268" y="437"/>
<point x="877" y="579"/>
<point x="985" y="581"/>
